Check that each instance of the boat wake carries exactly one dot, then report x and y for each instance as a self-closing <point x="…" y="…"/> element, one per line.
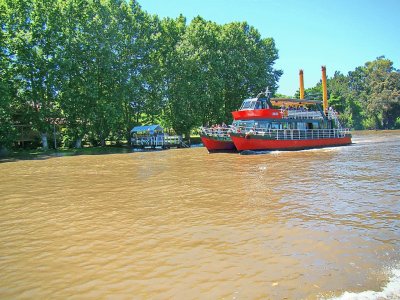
<point x="253" y="152"/>
<point x="390" y="291"/>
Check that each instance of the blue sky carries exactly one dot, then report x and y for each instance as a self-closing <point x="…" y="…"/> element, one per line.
<point x="341" y="34"/>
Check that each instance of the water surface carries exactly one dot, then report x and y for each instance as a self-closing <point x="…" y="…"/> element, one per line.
<point x="185" y="224"/>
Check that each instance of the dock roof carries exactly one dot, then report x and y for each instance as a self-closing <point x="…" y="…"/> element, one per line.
<point x="147" y="128"/>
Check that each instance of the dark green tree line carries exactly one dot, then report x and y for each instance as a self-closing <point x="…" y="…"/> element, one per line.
<point x="96" y="68"/>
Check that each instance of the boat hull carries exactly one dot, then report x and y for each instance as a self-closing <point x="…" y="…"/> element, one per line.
<point x="214" y="144"/>
<point x="243" y="142"/>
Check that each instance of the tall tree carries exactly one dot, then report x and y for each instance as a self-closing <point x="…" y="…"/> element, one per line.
<point x="33" y="40"/>
<point x="383" y="102"/>
<point x="74" y="83"/>
<point x="197" y="95"/>
<point x="7" y="133"/>
<point x="247" y="61"/>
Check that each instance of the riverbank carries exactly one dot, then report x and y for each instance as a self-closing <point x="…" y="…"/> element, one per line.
<point x="28" y="154"/>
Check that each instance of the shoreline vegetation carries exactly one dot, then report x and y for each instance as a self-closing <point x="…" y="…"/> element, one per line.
<point x="87" y="73"/>
<point x="109" y="148"/>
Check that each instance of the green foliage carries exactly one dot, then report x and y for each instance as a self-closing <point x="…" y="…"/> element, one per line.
<point x="367" y="98"/>
<point x="7" y="107"/>
<point x="397" y="123"/>
<point x="278" y="95"/>
<point x="100" y="67"/>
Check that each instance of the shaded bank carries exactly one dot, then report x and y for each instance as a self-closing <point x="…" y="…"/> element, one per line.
<point x="45" y="154"/>
<point x="26" y="154"/>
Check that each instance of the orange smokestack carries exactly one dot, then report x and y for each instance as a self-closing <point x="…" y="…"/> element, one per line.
<point x="301" y="84"/>
<point x="324" y="89"/>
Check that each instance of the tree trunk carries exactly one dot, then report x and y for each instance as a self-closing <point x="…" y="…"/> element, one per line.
<point x="3" y="151"/>
<point x="78" y="143"/>
<point x="45" y="145"/>
<point x="187" y="137"/>
<point x="128" y="136"/>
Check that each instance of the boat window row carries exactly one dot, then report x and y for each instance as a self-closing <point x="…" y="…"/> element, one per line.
<point x="279" y="125"/>
<point x="254" y="103"/>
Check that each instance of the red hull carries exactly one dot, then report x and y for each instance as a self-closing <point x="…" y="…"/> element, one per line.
<point x="213" y="144"/>
<point x="243" y="143"/>
<point x="257" y="114"/>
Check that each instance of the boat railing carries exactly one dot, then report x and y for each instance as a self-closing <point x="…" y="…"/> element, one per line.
<point x="333" y="115"/>
<point x="173" y="139"/>
<point x="162" y="140"/>
<point x="301" y="114"/>
<point x="295" y="134"/>
<point x="219" y="131"/>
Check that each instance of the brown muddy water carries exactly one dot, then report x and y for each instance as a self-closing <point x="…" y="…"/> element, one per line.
<point x="185" y="224"/>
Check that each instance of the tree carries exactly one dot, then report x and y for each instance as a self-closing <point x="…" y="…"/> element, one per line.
<point x="383" y="102"/>
<point x="74" y="82"/>
<point x="197" y="90"/>
<point x="247" y="62"/>
<point x="7" y="133"/>
<point x="215" y="67"/>
<point x="32" y="40"/>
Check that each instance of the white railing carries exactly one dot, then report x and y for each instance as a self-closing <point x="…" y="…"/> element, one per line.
<point x="157" y="141"/>
<point x="294" y="134"/>
<point x="173" y="139"/>
<point x="314" y="115"/>
<point x="301" y="114"/>
<point x="216" y="131"/>
<point x="333" y="115"/>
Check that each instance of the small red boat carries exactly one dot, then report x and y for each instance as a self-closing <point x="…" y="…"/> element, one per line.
<point x="264" y="123"/>
<point x="217" y="139"/>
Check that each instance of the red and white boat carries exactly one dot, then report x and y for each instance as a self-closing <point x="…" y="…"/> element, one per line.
<point x="264" y="123"/>
<point x="217" y="138"/>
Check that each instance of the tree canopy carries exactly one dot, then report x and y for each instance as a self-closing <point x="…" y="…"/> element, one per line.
<point x="100" y="67"/>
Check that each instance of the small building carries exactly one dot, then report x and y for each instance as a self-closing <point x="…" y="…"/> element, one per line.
<point x="153" y="136"/>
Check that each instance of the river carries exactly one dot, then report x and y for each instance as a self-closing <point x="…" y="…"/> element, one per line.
<point x="185" y="224"/>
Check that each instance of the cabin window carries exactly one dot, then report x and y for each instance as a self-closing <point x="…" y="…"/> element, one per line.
<point x="275" y="125"/>
<point x="301" y="125"/>
<point x="265" y="125"/>
<point x="243" y="124"/>
<point x="263" y="104"/>
<point x="248" y="104"/>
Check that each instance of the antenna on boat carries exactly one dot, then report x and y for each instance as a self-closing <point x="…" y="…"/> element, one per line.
<point x="267" y="93"/>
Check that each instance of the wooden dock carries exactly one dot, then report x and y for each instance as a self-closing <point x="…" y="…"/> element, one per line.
<point x="159" y="141"/>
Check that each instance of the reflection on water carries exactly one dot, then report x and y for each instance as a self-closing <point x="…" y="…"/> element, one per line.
<point x="184" y="224"/>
